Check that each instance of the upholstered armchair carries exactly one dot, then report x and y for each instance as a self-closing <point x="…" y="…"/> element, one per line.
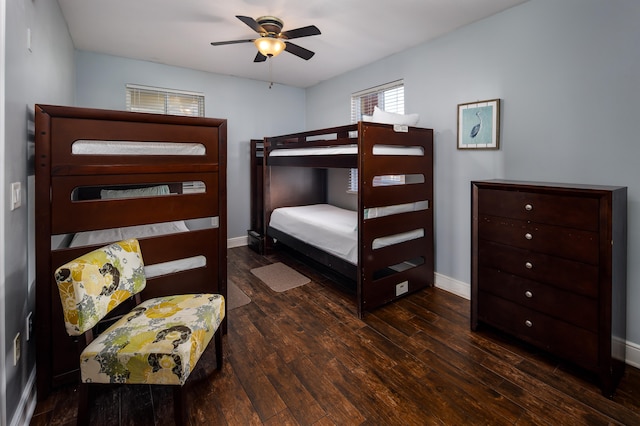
<point x="158" y="342"/>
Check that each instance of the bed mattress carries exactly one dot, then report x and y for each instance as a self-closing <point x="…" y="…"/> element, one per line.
<point x="330" y="228"/>
<point x="106" y="236"/>
<point x="347" y="150"/>
<point x="101" y="147"/>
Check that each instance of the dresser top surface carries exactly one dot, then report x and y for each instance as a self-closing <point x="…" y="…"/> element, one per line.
<point x="540" y="185"/>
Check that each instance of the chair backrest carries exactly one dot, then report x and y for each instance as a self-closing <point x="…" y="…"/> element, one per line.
<point x="95" y="283"/>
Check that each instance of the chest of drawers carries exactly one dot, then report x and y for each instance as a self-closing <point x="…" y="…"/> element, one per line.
<point x="548" y="266"/>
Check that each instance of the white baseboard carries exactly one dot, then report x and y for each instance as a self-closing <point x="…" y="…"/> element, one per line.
<point x="27" y="405"/>
<point x="633" y="354"/>
<point x="459" y="288"/>
<point x="237" y="242"/>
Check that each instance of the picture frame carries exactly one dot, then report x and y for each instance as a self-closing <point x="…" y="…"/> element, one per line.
<point x="479" y="125"/>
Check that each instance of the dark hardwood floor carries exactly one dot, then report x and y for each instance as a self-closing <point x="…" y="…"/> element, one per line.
<point x="303" y="357"/>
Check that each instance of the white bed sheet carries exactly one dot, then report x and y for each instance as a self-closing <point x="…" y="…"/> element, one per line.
<point x="103" y="147"/>
<point x="331" y="229"/>
<point x="348" y="149"/>
<point x="105" y="236"/>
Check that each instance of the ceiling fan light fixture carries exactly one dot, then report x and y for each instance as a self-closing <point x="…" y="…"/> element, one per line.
<point x="269" y="46"/>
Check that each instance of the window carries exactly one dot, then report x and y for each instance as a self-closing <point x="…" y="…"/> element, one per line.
<point x="388" y="97"/>
<point x="164" y="101"/>
<point x="386" y="180"/>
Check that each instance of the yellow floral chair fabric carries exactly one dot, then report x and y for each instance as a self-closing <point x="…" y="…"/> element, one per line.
<point x="95" y="283"/>
<point x="158" y="342"/>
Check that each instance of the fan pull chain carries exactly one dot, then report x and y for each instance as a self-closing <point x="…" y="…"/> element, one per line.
<point x="270" y="74"/>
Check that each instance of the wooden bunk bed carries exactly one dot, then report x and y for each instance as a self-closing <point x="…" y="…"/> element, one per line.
<point x="105" y="175"/>
<point x="286" y="174"/>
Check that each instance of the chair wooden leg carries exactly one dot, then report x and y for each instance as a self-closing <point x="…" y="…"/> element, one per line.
<point x="218" y="343"/>
<point x="83" y="405"/>
<point x="179" y="405"/>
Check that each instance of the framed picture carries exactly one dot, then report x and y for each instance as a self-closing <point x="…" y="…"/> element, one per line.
<point x="479" y="125"/>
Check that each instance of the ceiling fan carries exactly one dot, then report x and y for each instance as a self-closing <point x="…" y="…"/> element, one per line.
<point x="272" y="40"/>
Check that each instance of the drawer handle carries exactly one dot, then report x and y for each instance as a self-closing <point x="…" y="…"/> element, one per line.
<point x="528" y="236"/>
<point x="528" y="207"/>
<point x="528" y="323"/>
<point x="528" y="265"/>
<point x="528" y="294"/>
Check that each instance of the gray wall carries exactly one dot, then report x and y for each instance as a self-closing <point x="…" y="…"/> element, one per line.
<point x="568" y="74"/>
<point x="44" y="75"/>
<point x="251" y="108"/>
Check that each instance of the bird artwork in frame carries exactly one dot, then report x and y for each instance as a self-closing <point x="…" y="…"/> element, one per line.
<point x="479" y="125"/>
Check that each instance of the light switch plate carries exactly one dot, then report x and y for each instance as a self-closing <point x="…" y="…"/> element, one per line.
<point x="16" y="349"/>
<point x="16" y="195"/>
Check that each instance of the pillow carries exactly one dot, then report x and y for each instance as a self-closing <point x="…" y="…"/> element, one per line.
<point x="381" y="116"/>
<point x="150" y="191"/>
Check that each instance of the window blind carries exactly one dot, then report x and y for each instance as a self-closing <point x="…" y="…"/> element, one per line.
<point x="386" y="180"/>
<point x="388" y="97"/>
<point x="164" y="101"/>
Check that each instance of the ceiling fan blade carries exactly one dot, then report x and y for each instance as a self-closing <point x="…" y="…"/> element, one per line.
<point x="252" y="24"/>
<point x="260" y="58"/>
<point x="301" y="32"/>
<point x="298" y="51"/>
<point x="222" y="43"/>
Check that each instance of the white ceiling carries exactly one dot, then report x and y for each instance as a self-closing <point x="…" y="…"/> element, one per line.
<point x="179" y="32"/>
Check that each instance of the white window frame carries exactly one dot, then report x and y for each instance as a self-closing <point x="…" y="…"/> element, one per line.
<point x="388" y="97"/>
<point x="158" y="100"/>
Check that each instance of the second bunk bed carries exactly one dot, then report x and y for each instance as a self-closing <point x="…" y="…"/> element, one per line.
<point x="384" y="248"/>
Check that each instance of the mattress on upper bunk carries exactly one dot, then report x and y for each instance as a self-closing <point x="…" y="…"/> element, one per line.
<point x="111" y="235"/>
<point x="108" y="147"/>
<point x="347" y="150"/>
<point x="107" y="236"/>
<point x="333" y="229"/>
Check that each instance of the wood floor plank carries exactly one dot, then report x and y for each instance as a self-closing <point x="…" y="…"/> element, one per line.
<point x="581" y="390"/>
<point x="264" y="397"/>
<point x="229" y="394"/>
<point x="338" y="408"/>
<point x="377" y="403"/>
<point x="300" y="402"/>
<point x="397" y="358"/>
<point x="303" y="357"/>
<point x="566" y="408"/>
<point x="474" y="391"/>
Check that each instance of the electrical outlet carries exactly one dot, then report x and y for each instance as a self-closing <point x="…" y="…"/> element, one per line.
<point x="402" y="288"/>
<point x="16" y="349"/>
<point x="29" y="325"/>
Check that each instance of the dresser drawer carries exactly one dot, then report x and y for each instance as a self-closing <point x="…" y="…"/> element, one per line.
<point x="561" y="241"/>
<point x="558" y="337"/>
<point x="560" y="210"/>
<point x="569" y="307"/>
<point x="578" y="277"/>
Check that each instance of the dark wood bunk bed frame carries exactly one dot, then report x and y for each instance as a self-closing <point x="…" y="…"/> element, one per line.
<point x="58" y="173"/>
<point x="302" y="180"/>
